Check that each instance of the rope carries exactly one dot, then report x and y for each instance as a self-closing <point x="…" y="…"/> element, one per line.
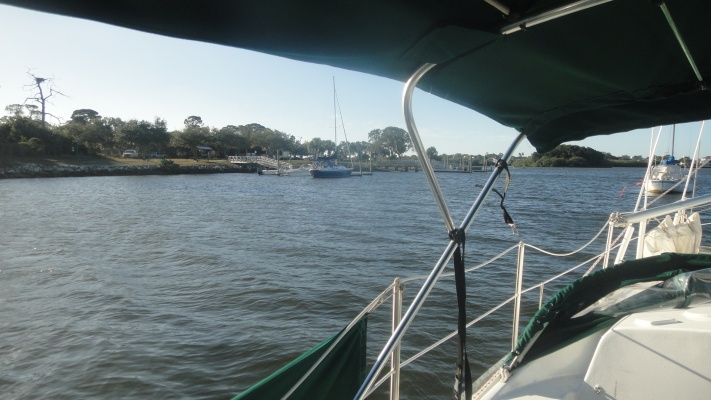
<point x="502" y="165"/>
<point x="463" y="376"/>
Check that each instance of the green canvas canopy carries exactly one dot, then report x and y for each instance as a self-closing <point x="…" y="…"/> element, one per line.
<point x="612" y="67"/>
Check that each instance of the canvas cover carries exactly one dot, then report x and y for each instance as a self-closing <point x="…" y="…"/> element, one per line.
<point x="682" y="236"/>
<point x="338" y="376"/>
<point x="610" y="68"/>
<point x="559" y="321"/>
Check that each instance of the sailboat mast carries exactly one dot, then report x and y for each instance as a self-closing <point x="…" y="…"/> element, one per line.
<point x="673" y="133"/>
<point x="335" y="120"/>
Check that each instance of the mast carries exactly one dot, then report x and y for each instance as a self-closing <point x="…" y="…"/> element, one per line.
<point x="335" y="119"/>
<point x="673" y="133"/>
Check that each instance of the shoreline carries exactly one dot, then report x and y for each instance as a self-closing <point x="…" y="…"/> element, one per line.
<point x="20" y="170"/>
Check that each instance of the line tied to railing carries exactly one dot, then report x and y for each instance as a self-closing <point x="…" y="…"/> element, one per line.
<point x="462" y="377"/>
<point x="501" y="165"/>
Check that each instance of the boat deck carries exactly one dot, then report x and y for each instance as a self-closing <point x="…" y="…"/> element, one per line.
<point x="634" y="359"/>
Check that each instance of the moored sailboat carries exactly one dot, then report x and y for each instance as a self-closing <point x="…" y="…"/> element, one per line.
<point x="325" y="168"/>
<point x="668" y="175"/>
<point x="328" y="167"/>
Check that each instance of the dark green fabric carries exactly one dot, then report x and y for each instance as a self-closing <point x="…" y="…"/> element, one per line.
<point x="611" y="68"/>
<point x="554" y="322"/>
<point x="339" y="376"/>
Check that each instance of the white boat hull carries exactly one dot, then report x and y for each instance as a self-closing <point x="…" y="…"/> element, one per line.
<point x="272" y="172"/>
<point x="661" y="186"/>
<point x="664" y="177"/>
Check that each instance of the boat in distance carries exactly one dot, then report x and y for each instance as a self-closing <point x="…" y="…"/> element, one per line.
<point x="666" y="176"/>
<point x="326" y="169"/>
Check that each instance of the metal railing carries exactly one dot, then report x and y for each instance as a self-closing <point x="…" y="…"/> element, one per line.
<point x="261" y="160"/>
<point x="605" y="244"/>
<point x="599" y="246"/>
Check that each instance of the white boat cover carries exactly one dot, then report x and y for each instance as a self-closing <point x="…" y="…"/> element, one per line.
<point x="683" y="235"/>
<point x="665" y="172"/>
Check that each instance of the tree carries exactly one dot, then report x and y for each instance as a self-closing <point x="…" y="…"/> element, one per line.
<point x="87" y="128"/>
<point x="359" y="149"/>
<point x="272" y="141"/>
<point x="193" y="121"/>
<point x="192" y="136"/>
<point x="85" y="116"/>
<point x="229" y="141"/>
<point x="21" y="135"/>
<point x="391" y="141"/>
<point x="432" y="153"/>
<point x="40" y="97"/>
<point x="319" y="147"/>
<point x="252" y="133"/>
<point x="144" y="135"/>
<point x="15" y="110"/>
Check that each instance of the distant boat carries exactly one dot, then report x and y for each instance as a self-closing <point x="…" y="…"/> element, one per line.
<point x="302" y="170"/>
<point x="278" y="171"/>
<point x="327" y="167"/>
<point x="667" y="176"/>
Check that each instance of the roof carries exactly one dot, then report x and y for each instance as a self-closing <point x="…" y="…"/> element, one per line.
<point x="610" y="68"/>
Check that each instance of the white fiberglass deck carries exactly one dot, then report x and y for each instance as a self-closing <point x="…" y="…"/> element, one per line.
<point x="660" y="354"/>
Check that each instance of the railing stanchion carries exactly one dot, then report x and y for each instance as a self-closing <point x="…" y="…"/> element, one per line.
<point x="608" y="244"/>
<point x="398" y="289"/>
<point x="519" y="284"/>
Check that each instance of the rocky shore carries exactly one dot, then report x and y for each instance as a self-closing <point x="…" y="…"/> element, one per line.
<point x="32" y="170"/>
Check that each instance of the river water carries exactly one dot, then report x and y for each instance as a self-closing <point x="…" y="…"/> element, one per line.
<point x="196" y="287"/>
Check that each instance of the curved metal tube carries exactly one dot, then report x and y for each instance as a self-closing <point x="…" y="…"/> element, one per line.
<point x="431" y="280"/>
<point x="419" y="148"/>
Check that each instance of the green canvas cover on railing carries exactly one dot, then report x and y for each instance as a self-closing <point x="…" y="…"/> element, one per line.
<point x="558" y="322"/>
<point x="338" y="376"/>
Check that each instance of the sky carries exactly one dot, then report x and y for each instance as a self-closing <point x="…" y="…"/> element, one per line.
<point x="133" y="75"/>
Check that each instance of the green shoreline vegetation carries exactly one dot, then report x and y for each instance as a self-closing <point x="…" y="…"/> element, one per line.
<point x="565" y="156"/>
<point x="91" y="144"/>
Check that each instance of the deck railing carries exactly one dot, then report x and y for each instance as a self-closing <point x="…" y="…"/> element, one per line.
<point x="598" y="250"/>
<point x="617" y="239"/>
<point x="519" y="251"/>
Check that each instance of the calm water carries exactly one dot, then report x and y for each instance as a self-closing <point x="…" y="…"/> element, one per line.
<point x="196" y="287"/>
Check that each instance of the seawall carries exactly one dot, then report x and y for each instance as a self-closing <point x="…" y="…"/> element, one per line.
<point x="31" y="170"/>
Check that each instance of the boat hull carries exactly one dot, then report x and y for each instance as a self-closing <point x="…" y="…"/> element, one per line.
<point x="661" y="186"/>
<point x="664" y="177"/>
<point x="272" y="172"/>
<point x="331" y="172"/>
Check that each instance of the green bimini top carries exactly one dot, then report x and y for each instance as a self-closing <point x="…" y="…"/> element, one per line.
<point x="612" y="67"/>
<point x="599" y="300"/>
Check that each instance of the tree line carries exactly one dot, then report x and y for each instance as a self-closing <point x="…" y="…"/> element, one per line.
<point x="23" y="132"/>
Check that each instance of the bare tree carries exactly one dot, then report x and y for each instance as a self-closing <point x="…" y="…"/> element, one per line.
<point x="40" y="97"/>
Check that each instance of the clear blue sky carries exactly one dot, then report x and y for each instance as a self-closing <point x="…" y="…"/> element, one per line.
<point x="133" y="75"/>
